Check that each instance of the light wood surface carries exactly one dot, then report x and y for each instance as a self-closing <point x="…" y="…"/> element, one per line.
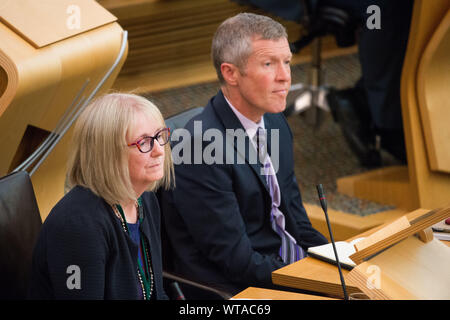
<point x="39" y="85"/>
<point x="392" y="228"/>
<point x="253" y="293"/>
<point x="388" y="185"/>
<point x="426" y="235"/>
<point x="201" y="71"/>
<point x="347" y="225"/>
<point x="170" y="41"/>
<point x="428" y="189"/>
<point x="418" y="185"/>
<point x="314" y="275"/>
<point x="411" y="269"/>
<point x="419" y="220"/>
<point x="433" y="78"/>
<point x="173" y="33"/>
<point x="63" y="19"/>
<point x="318" y="276"/>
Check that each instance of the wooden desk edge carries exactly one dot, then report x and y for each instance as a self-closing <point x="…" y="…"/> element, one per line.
<point x="253" y="293"/>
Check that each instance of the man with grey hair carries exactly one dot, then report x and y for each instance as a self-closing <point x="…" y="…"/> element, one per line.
<point x="232" y="223"/>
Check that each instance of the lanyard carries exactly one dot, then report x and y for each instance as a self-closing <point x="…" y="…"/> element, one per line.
<point x="145" y="277"/>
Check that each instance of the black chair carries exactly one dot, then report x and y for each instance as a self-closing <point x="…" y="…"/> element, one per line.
<point x="191" y="290"/>
<point x="20" y="223"/>
<point x="179" y="120"/>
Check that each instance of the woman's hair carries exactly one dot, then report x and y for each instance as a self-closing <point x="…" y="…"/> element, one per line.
<point x="99" y="154"/>
<point x="232" y="42"/>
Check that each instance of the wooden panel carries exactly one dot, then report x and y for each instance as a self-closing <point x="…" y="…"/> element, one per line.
<point x="319" y="276"/>
<point x="253" y="293"/>
<point x="428" y="189"/>
<point x="360" y="276"/>
<point x="63" y="19"/>
<point x="392" y="228"/>
<point x="389" y="185"/>
<point x="313" y="275"/>
<point x="189" y="70"/>
<point x="346" y="225"/>
<point x="166" y="33"/>
<point x="170" y="40"/>
<point x="411" y="269"/>
<point x="433" y="79"/>
<point x="424" y="220"/>
<point x="3" y="80"/>
<point x="41" y="84"/>
<point x="411" y="255"/>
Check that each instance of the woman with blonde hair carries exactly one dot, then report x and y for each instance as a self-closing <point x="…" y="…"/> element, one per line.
<point x="102" y="239"/>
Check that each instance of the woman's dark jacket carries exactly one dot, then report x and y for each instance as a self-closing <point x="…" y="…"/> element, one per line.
<point x="83" y="253"/>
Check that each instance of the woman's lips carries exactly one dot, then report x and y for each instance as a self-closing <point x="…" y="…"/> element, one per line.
<point x="154" y="165"/>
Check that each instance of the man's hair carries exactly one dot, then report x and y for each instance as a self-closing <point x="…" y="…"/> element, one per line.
<point x="232" y="42"/>
<point x="99" y="154"/>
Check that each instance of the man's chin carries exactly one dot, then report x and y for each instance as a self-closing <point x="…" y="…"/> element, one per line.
<point x="277" y="108"/>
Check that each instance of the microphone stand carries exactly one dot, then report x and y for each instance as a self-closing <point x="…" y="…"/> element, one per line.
<point x="323" y="203"/>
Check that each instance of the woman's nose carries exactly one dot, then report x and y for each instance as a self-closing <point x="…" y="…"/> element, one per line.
<point x="157" y="149"/>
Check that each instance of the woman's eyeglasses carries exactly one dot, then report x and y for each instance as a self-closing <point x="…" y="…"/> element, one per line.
<point x="146" y="144"/>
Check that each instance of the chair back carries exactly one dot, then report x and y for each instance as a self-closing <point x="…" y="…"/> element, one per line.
<point x="20" y="223"/>
<point x="190" y="289"/>
<point x="180" y="119"/>
<point x="165" y="197"/>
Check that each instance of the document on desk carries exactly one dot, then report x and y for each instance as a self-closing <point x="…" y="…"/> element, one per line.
<point x="441" y="231"/>
<point x="344" y="250"/>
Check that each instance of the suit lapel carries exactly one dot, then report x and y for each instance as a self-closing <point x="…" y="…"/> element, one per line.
<point x="230" y="121"/>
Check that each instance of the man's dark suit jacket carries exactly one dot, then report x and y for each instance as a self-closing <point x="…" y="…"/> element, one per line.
<point x="220" y="229"/>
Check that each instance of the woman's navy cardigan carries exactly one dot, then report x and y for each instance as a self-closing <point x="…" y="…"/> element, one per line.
<point x="83" y="253"/>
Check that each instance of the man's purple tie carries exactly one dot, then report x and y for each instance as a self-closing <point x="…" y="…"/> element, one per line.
<point x="289" y="250"/>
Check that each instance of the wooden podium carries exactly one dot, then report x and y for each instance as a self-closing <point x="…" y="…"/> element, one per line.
<point x="397" y="260"/>
<point x="52" y="53"/>
<point x="403" y="261"/>
<point x="425" y="182"/>
<point x="410" y="270"/>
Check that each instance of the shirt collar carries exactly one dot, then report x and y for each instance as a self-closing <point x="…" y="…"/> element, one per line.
<point x="249" y="125"/>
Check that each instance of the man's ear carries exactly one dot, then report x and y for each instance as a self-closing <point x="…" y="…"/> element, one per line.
<point x="230" y="73"/>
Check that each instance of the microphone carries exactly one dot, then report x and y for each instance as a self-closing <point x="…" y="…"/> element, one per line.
<point x="177" y="290"/>
<point x="323" y="203"/>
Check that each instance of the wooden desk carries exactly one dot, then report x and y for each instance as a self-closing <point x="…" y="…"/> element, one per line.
<point x="313" y="275"/>
<point x="318" y="276"/>
<point x="253" y="293"/>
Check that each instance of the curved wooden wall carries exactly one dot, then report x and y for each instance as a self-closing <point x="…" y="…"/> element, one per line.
<point x="433" y="80"/>
<point x="428" y="189"/>
<point x="38" y="84"/>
